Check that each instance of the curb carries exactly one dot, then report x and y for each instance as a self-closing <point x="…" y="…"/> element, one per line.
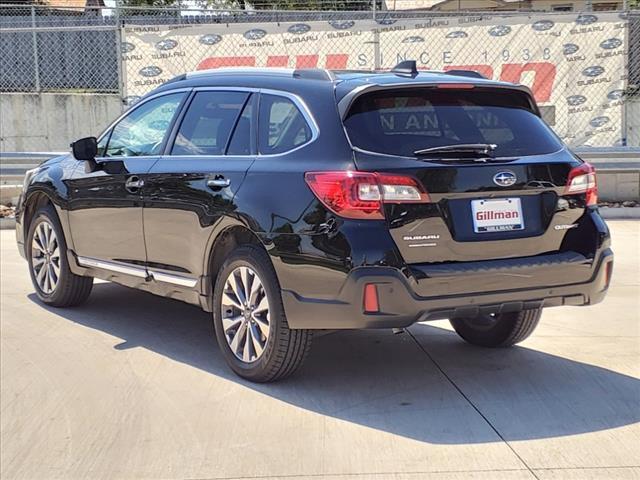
<point x="624" y="213"/>
<point x="7" y="223"/>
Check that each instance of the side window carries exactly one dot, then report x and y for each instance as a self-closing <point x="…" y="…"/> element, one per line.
<point x="282" y="125"/>
<point x="240" y="143"/>
<point x="207" y="125"/>
<point x="143" y="130"/>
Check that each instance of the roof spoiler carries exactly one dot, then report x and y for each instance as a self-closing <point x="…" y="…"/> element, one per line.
<point x="465" y="73"/>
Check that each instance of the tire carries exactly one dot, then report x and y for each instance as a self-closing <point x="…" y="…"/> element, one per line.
<point x="279" y="350"/>
<point x="500" y="330"/>
<point x="64" y="288"/>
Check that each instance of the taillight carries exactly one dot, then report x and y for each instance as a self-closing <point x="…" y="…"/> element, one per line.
<point x="360" y="195"/>
<point x="582" y="179"/>
<point x="370" y="298"/>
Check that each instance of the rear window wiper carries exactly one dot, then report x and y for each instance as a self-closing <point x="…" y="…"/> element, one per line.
<point x="484" y="149"/>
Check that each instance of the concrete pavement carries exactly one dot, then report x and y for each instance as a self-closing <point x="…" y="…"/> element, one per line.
<point x="133" y="386"/>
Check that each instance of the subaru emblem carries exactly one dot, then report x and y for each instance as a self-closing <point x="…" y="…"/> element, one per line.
<point x="167" y="44"/>
<point x="210" y="39"/>
<point x="342" y="24"/>
<point x="255" y="34"/>
<point x="575" y="100"/>
<point x="542" y="25"/>
<point x="611" y="43"/>
<point x="505" y="178"/>
<point x="593" y="71"/>
<point x="586" y="19"/>
<point x="599" y="121"/>
<point x="615" y="94"/>
<point x="299" y="28"/>
<point x="457" y="34"/>
<point x="500" y="30"/>
<point x="150" y="71"/>
<point x="126" y="47"/>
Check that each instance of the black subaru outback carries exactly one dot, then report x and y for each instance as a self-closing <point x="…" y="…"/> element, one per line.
<point x="286" y="201"/>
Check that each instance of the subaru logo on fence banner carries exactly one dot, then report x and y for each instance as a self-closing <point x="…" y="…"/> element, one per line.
<point x="167" y="44"/>
<point x="570" y="48"/>
<point x="543" y="25"/>
<point x="593" y="71"/>
<point x="385" y="21"/>
<point x="299" y="28"/>
<point x="413" y="39"/>
<point x="150" y="71"/>
<point x="611" y="43"/>
<point x="615" y="94"/>
<point x="586" y="19"/>
<point x="500" y="30"/>
<point x="342" y="24"/>
<point x="599" y="121"/>
<point x="126" y="47"/>
<point x="457" y="34"/>
<point x="210" y="39"/>
<point x="255" y="34"/>
<point x="506" y="178"/>
<point x="575" y="100"/>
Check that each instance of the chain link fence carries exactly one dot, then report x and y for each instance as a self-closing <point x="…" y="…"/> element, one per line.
<point x="584" y="68"/>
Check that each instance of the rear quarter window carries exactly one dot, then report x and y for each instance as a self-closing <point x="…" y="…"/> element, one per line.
<point x="283" y="127"/>
<point x="400" y="122"/>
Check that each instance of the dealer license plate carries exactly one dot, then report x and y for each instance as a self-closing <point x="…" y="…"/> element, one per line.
<point x="497" y="215"/>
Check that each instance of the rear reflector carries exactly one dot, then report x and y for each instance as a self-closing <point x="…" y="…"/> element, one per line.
<point x="371" y="298"/>
<point x="360" y="195"/>
<point x="609" y="273"/>
<point x="582" y="179"/>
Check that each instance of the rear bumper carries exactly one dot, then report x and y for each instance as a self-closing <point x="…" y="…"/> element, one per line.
<point x="404" y="299"/>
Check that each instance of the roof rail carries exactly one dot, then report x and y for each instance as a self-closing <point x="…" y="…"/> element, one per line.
<point x="465" y="73"/>
<point x="406" y="68"/>
<point x="177" y="78"/>
<point x="314" y="74"/>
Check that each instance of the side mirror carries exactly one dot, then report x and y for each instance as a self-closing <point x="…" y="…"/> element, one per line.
<point x="85" y="148"/>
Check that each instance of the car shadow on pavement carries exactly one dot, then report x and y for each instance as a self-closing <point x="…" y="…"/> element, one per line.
<point x="390" y="382"/>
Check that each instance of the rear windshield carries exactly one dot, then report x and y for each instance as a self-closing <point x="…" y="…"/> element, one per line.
<point x="403" y="121"/>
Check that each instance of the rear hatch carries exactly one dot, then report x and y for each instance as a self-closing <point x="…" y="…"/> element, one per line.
<point x="496" y="182"/>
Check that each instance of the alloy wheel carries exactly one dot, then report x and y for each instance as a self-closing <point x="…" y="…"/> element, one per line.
<point x="245" y="314"/>
<point x="45" y="257"/>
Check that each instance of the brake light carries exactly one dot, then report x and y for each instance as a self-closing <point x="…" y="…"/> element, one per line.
<point x="582" y="179"/>
<point x="360" y="195"/>
<point x="457" y="86"/>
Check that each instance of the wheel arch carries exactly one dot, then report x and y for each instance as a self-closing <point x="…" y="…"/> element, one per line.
<point x="33" y="202"/>
<point x="229" y="237"/>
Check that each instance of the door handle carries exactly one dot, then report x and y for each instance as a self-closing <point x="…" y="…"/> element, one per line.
<point x="133" y="184"/>
<point x="218" y="182"/>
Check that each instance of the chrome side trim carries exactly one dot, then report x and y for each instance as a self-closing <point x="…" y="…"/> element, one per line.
<point x="134" y="271"/>
<point x="174" y="279"/>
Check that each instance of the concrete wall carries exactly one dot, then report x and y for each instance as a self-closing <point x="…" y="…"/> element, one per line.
<point x="50" y="121"/>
